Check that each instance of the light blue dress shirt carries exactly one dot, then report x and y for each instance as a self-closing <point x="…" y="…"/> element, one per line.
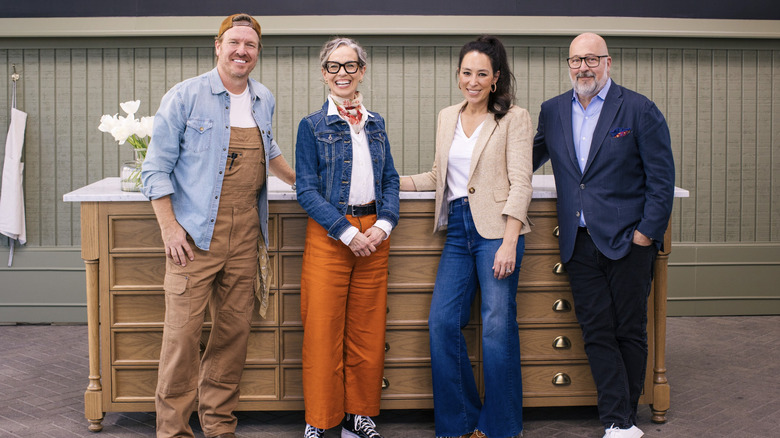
<point x="583" y="123"/>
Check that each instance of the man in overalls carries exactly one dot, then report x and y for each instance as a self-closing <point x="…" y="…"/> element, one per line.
<point x="205" y="174"/>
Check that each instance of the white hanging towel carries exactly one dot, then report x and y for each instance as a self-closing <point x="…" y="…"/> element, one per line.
<point x="11" y="193"/>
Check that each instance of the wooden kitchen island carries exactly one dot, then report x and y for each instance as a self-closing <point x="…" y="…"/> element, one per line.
<point x="124" y="258"/>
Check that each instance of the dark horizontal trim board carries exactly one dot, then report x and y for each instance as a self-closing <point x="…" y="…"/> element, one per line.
<point x="715" y="9"/>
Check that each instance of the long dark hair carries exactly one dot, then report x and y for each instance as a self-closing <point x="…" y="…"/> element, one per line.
<point x="500" y="100"/>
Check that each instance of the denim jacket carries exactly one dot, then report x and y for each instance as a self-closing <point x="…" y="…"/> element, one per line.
<point x="189" y="147"/>
<point x="323" y="169"/>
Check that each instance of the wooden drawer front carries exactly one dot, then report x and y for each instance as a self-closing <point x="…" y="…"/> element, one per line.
<point x="292" y="343"/>
<point x="292" y="383"/>
<point x="143" y="347"/>
<point x="404" y="308"/>
<point x="290" y="266"/>
<point x="415" y="232"/>
<point x="137" y="272"/>
<point x="538" y="380"/>
<point x="402" y="345"/>
<point x="134" y="233"/>
<point x="406" y="382"/>
<point x="134" y="308"/>
<point x="148" y="308"/>
<point x="259" y="384"/>
<point x="543" y="234"/>
<point x="413" y="382"/>
<point x="403" y="383"/>
<point x="273" y="232"/>
<point x="538" y="270"/>
<point x="136" y="347"/>
<point x="292" y="232"/>
<point x="408" y="307"/>
<point x="263" y="347"/>
<point x="413" y="271"/>
<point x="412" y="308"/>
<point x="413" y="345"/>
<point x="290" y="308"/>
<point x="139" y="384"/>
<point x="133" y="384"/>
<point x="562" y="343"/>
<point x="556" y="307"/>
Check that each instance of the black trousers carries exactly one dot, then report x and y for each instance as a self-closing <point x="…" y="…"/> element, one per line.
<point x="610" y="301"/>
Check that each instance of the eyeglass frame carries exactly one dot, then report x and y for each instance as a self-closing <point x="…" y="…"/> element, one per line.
<point x="344" y="65"/>
<point x="583" y="59"/>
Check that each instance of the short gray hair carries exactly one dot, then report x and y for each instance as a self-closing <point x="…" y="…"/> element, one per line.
<point x="337" y="42"/>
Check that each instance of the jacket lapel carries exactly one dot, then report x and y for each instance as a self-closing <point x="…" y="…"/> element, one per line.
<point x="482" y="141"/>
<point x="564" y="111"/>
<point x="608" y="112"/>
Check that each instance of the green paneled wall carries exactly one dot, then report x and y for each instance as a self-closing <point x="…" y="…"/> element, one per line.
<point x="720" y="97"/>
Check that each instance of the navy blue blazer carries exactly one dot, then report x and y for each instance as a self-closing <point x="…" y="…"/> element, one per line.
<point x="628" y="181"/>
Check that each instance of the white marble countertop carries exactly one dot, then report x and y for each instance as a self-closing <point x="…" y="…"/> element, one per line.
<point x="108" y="189"/>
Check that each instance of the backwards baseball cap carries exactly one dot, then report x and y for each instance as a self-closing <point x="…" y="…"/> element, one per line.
<point x="239" y="20"/>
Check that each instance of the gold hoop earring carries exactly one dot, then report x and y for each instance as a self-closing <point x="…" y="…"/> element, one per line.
<point x="493" y="88"/>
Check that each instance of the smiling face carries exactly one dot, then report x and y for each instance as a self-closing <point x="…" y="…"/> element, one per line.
<point x="588" y="81"/>
<point x="343" y="84"/>
<point x="237" y="52"/>
<point x="476" y="77"/>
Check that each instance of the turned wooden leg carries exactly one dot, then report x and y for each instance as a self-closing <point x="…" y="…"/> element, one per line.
<point x="93" y="397"/>
<point x="661" y="392"/>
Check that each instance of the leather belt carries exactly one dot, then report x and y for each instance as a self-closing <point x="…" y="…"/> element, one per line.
<point x="361" y="210"/>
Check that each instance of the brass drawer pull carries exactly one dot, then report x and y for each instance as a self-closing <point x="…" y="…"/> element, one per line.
<point x="387" y="347"/>
<point x="561" y="379"/>
<point x="556" y="231"/>
<point x="385" y="383"/>
<point x="558" y="269"/>
<point x="561" y="343"/>
<point x="561" y="306"/>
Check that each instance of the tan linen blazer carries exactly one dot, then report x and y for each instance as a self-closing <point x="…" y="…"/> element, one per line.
<point x="500" y="174"/>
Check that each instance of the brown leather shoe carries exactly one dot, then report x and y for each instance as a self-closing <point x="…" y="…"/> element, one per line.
<point x="478" y="434"/>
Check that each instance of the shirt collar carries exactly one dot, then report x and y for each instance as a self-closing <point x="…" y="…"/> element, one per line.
<point x="332" y="111"/>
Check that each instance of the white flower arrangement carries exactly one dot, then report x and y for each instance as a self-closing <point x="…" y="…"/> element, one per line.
<point x="134" y="131"/>
<point x="129" y="129"/>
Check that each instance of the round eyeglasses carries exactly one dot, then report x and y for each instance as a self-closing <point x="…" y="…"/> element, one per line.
<point x="591" y="61"/>
<point x="350" y="67"/>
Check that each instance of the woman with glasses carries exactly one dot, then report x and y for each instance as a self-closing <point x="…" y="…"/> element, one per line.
<point x="482" y="178"/>
<point x="347" y="183"/>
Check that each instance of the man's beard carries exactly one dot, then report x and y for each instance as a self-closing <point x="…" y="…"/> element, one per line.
<point x="586" y="90"/>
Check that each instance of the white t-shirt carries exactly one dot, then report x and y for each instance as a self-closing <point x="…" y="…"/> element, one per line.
<point x="241" y="110"/>
<point x="459" y="162"/>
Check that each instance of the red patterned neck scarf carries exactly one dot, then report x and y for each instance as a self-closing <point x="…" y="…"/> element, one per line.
<point x="350" y="110"/>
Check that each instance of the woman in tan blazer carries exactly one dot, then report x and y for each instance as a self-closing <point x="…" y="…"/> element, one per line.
<point x="482" y="178"/>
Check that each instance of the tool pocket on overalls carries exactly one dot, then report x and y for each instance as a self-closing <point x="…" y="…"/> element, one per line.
<point x="177" y="300"/>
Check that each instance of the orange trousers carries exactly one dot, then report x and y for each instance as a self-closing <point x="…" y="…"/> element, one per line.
<point x="343" y="309"/>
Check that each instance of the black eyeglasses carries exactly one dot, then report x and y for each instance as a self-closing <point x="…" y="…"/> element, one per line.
<point x="350" y="67"/>
<point x="591" y="61"/>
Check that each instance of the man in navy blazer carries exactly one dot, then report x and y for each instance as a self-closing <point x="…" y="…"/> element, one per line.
<point x="614" y="172"/>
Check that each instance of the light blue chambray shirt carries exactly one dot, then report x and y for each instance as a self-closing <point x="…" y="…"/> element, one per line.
<point x="583" y="123"/>
<point x="189" y="147"/>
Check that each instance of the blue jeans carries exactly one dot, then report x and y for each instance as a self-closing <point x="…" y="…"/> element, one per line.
<point x="467" y="261"/>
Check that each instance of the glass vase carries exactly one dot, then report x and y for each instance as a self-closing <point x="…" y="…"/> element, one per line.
<point x="130" y="172"/>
